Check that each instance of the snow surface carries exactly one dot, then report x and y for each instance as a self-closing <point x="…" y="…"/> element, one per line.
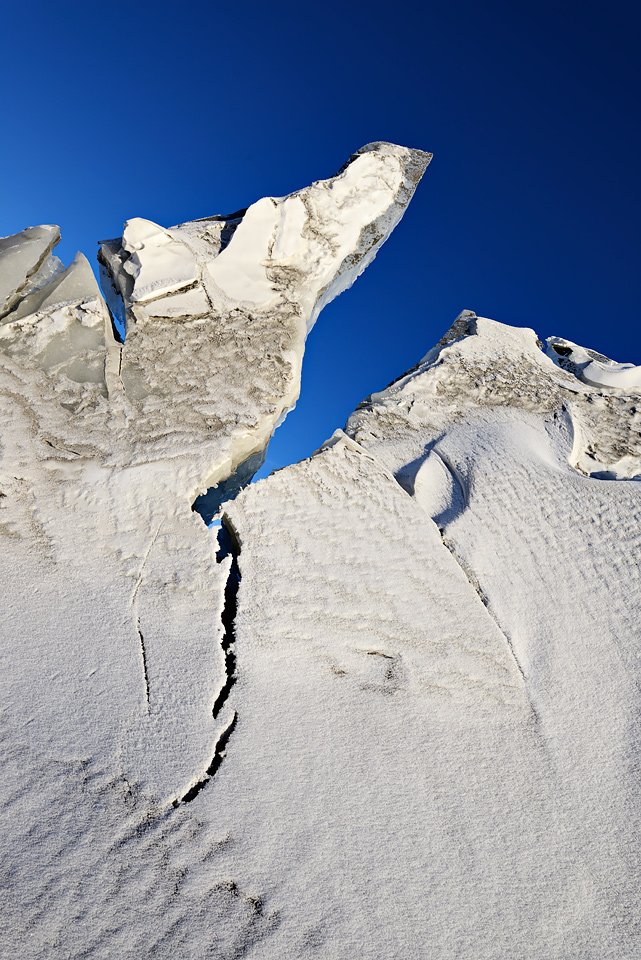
<point x="390" y="707"/>
<point x="158" y="263"/>
<point x="117" y="615"/>
<point x="439" y="618"/>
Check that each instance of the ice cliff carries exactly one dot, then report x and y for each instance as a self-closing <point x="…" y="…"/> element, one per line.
<point x="391" y="708"/>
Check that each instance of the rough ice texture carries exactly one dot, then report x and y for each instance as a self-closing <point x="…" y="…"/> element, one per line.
<point x="438" y="639"/>
<point x="219" y="309"/>
<point x="393" y="710"/>
<point x="118" y="612"/>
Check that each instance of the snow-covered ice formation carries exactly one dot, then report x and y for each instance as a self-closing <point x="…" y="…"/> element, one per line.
<point x="439" y="617"/>
<point x="392" y="708"/>
<point x="117" y="607"/>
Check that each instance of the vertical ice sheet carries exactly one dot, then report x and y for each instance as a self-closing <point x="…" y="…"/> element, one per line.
<point x="119" y="697"/>
<point x="20" y="256"/>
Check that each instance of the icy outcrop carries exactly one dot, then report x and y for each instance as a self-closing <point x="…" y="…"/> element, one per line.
<point x="593" y="368"/>
<point x="439" y="620"/>
<point x="391" y="708"/>
<point x="108" y="444"/>
<point x="209" y="300"/>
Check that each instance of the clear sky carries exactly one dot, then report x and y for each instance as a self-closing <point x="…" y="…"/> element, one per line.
<point x="528" y="214"/>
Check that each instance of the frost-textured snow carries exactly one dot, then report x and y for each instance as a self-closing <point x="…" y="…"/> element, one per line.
<point x="439" y="615"/>
<point x="118" y="614"/>
<point x="391" y="708"/>
<point x="111" y="443"/>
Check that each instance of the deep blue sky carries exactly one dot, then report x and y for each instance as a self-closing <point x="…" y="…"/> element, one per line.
<point x="528" y="214"/>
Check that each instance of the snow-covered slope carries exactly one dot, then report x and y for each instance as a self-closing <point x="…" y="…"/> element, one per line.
<point x="115" y="633"/>
<point x="439" y="649"/>
<point x="391" y="710"/>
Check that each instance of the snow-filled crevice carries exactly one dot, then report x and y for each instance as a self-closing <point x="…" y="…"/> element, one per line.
<point x="228" y="550"/>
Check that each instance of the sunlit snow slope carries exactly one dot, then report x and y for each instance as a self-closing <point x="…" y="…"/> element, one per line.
<point x="392" y="710"/>
<point x="439" y="652"/>
<point x="117" y="619"/>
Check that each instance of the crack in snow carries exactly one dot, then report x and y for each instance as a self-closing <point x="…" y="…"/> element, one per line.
<point x="229" y="547"/>
<point x="136" y="616"/>
<point x="212" y="769"/>
<point x="143" y="563"/>
<point x="143" y="652"/>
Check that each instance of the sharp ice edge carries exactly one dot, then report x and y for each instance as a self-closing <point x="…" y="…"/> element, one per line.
<point x="21" y="258"/>
<point x="114" y="301"/>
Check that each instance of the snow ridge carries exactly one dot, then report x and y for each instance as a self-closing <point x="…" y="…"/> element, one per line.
<point x="497" y="770"/>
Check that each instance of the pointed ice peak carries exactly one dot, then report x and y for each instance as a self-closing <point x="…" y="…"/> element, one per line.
<point x="205" y="301"/>
<point x="463" y="326"/>
<point x="310" y="246"/>
<point x="586" y="365"/>
<point x="419" y="159"/>
<point x="21" y="255"/>
<point x="481" y="367"/>
<point x="359" y="209"/>
<point x="301" y="250"/>
<point x="468" y="324"/>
